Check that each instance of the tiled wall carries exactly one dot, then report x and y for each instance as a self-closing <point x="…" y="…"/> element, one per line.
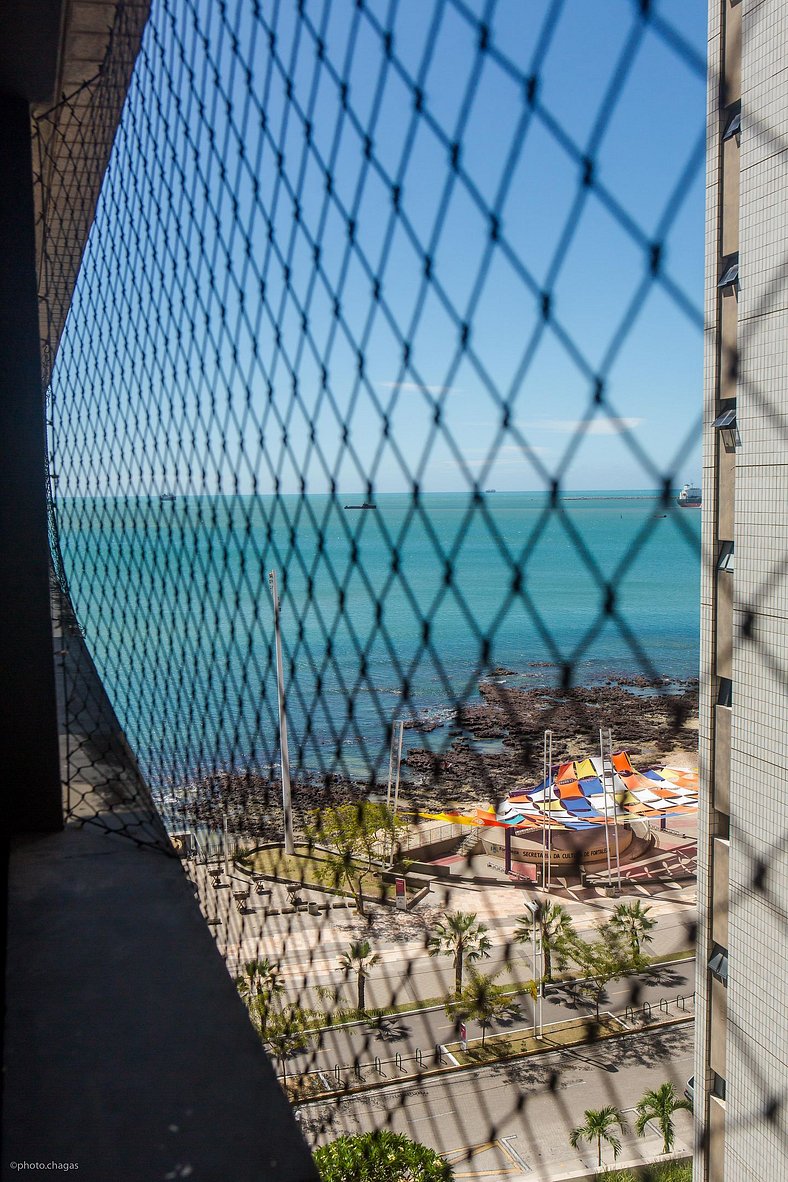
<point x="751" y="1122"/>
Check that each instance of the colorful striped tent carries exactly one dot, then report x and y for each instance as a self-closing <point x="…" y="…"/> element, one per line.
<point x="573" y="798"/>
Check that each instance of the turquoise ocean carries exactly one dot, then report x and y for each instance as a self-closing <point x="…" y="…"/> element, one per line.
<point x="174" y="603"/>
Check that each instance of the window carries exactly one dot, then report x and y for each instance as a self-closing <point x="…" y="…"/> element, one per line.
<point x="726" y="419"/>
<point x="725" y="423"/>
<point x="725" y="692"/>
<point x="732" y="125"/>
<point x="717" y="1086"/>
<point x="730" y="272"/>
<point x="725" y="558"/>
<point x="718" y="964"/>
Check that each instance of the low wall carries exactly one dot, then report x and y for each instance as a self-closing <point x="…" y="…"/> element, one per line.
<point x="585" y="848"/>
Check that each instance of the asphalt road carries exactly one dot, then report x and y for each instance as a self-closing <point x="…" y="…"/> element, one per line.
<point x="404" y="1034"/>
<point x="512" y="1121"/>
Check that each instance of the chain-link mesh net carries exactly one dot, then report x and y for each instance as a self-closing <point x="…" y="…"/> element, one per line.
<point x="354" y="268"/>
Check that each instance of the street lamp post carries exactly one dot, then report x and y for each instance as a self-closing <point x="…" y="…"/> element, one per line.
<point x="536" y="914"/>
<point x="396" y="744"/>
<point x="287" y="802"/>
<point x="547" y="789"/>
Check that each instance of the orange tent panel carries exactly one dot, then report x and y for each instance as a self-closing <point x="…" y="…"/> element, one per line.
<point x="622" y="765"/>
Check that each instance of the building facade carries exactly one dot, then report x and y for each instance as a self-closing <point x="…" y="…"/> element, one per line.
<point x="741" y="1073"/>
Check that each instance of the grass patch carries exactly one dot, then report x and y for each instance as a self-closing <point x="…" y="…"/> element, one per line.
<point x="669" y="957"/>
<point x="303" y="1087"/>
<point x="665" y="1171"/>
<point x="305" y="869"/>
<point x="508" y="1046"/>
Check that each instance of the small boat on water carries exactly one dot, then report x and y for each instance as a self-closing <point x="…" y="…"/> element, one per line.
<point x="690" y="497"/>
<point x="166" y="496"/>
<point x="366" y="505"/>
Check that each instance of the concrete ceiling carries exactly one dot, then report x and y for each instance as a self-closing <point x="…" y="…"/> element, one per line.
<point x="72" y="60"/>
<point x="50" y="47"/>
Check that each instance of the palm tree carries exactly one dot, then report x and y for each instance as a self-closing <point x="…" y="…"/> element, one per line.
<point x="632" y="923"/>
<point x="359" y="958"/>
<point x="287" y="1035"/>
<point x="556" y="930"/>
<point x="481" y="1000"/>
<point x="460" y="936"/>
<point x="599" y="1126"/>
<point x="659" y="1106"/>
<point x="258" y="976"/>
<point x="258" y="985"/>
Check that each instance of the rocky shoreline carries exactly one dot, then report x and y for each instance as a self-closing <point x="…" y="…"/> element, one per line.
<point x="650" y="723"/>
<point x="651" y="720"/>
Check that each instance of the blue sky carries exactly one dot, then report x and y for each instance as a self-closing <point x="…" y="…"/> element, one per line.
<point x="215" y="318"/>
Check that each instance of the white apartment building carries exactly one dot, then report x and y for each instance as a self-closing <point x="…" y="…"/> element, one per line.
<point x="741" y="1073"/>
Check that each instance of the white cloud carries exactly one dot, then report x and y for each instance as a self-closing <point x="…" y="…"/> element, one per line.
<point x="601" y="425"/>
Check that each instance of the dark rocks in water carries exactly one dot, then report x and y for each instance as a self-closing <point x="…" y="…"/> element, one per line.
<point x="647" y="724"/>
<point x="252" y="801"/>
<point x="424" y="724"/>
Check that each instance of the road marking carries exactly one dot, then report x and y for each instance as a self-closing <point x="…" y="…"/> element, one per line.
<point x="432" y="1116"/>
<point x="504" y="1143"/>
<point x="464" y="1154"/>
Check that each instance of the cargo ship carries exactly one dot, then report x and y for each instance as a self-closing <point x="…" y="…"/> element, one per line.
<point x="690" y="497"/>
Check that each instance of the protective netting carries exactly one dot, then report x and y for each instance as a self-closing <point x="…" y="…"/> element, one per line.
<point x="360" y="274"/>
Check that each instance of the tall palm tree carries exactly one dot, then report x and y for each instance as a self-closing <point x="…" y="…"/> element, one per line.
<point x="632" y="923"/>
<point x="259" y="985"/>
<point x="659" y="1105"/>
<point x="463" y="938"/>
<point x="481" y="1000"/>
<point x="556" y="931"/>
<point x="599" y="1126"/>
<point x="359" y="959"/>
<point x="259" y="976"/>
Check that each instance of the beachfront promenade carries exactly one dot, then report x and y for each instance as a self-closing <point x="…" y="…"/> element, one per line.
<point x="307" y="947"/>
<point x="508" y="1120"/>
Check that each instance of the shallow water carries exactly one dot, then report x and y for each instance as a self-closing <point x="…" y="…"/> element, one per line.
<point x="174" y="602"/>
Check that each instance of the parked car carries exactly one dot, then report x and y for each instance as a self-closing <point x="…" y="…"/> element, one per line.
<point x="689" y="1090"/>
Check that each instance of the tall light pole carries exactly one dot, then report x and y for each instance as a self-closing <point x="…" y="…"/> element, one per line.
<point x="535" y="909"/>
<point x="608" y="777"/>
<point x="401" y="726"/>
<point x="547" y="798"/>
<point x="287" y="800"/>
<point x="397" y="728"/>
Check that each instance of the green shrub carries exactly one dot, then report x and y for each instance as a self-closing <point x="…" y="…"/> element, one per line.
<point x="666" y="1171"/>
<point x="381" y="1156"/>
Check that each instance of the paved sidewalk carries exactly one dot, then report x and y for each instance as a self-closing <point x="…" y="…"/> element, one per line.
<point x="308" y="947"/>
